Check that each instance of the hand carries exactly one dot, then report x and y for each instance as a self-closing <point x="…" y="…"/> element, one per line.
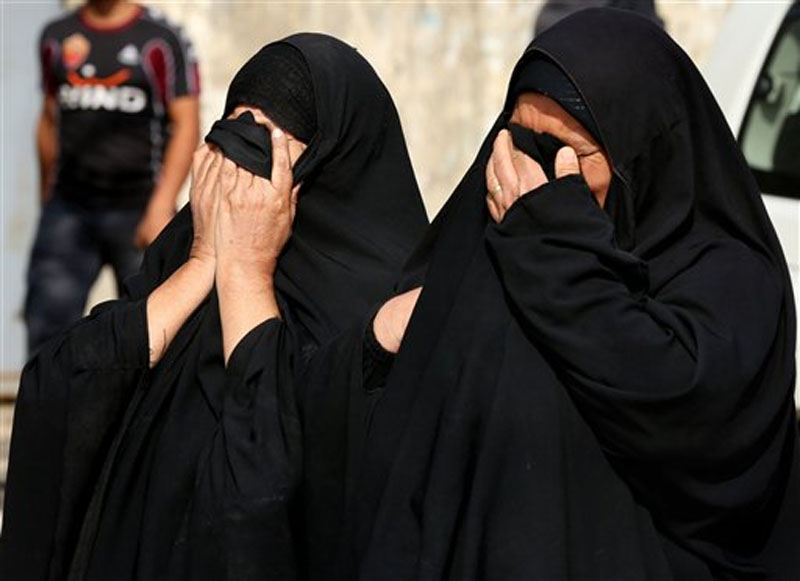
<point x="204" y="196"/>
<point x="255" y="215"/>
<point x="392" y="319"/>
<point x="511" y="174"/>
<point x="157" y="215"/>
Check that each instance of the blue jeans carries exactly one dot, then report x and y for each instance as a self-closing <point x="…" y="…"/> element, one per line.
<point x="72" y="244"/>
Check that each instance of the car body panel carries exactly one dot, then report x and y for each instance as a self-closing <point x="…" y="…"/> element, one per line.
<point x="733" y="68"/>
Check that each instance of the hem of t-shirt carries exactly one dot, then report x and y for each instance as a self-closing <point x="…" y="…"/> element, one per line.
<point x="97" y="200"/>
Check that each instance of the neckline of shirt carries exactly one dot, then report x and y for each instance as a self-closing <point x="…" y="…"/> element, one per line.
<point x="110" y="29"/>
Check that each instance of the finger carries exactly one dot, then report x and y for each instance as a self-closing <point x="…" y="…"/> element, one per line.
<point x="293" y="200"/>
<point x="531" y="175"/>
<point x="494" y="211"/>
<point x="201" y="162"/>
<point x="492" y="184"/>
<point x="261" y="185"/>
<point x="567" y="162"/>
<point x="227" y="176"/>
<point x="504" y="170"/>
<point x="214" y="167"/>
<point x="244" y="181"/>
<point x="281" y="176"/>
<point x="491" y="178"/>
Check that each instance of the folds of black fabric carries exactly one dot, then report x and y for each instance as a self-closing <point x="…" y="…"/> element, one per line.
<point x="63" y="421"/>
<point x="581" y="392"/>
<point x="190" y="470"/>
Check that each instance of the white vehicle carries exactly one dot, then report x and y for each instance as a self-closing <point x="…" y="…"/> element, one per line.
<point x="754" y="72"/>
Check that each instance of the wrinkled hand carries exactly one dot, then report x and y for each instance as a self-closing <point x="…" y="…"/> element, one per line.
<point x="255" y="215"/>
<point x="152" y="223"/>
<point x="204" y="197"/>
<point x="510" y="173"/>
<point x="392" y="319"/>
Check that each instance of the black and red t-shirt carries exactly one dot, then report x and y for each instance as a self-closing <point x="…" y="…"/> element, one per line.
<point x="113" y="87"/>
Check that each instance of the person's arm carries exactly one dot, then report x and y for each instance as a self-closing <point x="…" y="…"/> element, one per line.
<point x="640" y="355"/>
<point x="47" y="146"/>
<point x="184" y="133"/>
<point x="171" y="303"/>
<point x="391" y="320"/>
<point x="254" y="223"/>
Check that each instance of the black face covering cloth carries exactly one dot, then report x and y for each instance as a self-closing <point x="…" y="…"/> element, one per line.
<point x="245" y="142"/>
<point x="191" y="470"/>
<point x="541" y="147"/>
<point x="581" y="392"/>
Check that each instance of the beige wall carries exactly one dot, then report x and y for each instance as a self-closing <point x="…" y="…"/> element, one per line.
<point x="445" y="63"/>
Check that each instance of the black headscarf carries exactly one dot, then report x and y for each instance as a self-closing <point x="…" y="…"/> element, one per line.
<point x="585" y="393"/>
<point x="190" y="470"/>
<point x="277" y="79"/>
<point x="359" y="209"/>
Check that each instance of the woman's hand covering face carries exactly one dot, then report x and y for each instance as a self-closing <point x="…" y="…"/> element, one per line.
<point x="204" y="199"/>
<point x="255" y="215"/>
<point x="510" y="173"/>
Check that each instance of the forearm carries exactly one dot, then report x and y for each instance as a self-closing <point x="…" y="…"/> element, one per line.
<point x="47" y="149"/>
<point x="169" y="305"/>
<point x="590" y="304"/>
<point x="584" y="300"/>
<point x="246" y="299"/>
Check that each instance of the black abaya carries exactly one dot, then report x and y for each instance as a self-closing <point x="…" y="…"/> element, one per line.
<point x="581" y="393"/>
<point x="190" y="470"/>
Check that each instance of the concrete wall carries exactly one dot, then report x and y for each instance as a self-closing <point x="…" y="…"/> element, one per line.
<point x="20" y="101"/>
<point x="445" y="63"/>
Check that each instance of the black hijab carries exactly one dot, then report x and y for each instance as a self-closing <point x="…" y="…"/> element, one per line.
<point x="190" y="470"/>
<point x="585" y="393"/>
<point x="359" y="209"/>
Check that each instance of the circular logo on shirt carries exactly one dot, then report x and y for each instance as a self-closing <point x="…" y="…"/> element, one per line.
<point x="74" y="50"/>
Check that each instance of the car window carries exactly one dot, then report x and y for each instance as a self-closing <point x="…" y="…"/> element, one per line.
<point x="770" y="136"/>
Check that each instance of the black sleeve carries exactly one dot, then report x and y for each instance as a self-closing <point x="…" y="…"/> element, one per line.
<point x="72" y="395"/>
<point x="248" y="484"/>
<point x="377" y="361"/>
<point x="644" y="364"/>
<point x="335" y="412"/>
<point x="248" y="475"/>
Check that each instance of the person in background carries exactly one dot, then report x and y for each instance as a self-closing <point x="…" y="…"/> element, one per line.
<point x="555" y="10"/>
<point x="115" y="140"/>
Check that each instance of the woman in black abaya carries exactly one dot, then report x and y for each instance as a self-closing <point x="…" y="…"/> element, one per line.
<point x="158" y="438"/>
<point x="596" y="381"/>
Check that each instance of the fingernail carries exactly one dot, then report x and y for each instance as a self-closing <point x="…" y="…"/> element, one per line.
<point x="569" y="155"/>
<point x="277" y="133"/>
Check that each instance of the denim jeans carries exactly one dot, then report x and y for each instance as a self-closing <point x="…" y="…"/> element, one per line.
<point x="72" y="244"/>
